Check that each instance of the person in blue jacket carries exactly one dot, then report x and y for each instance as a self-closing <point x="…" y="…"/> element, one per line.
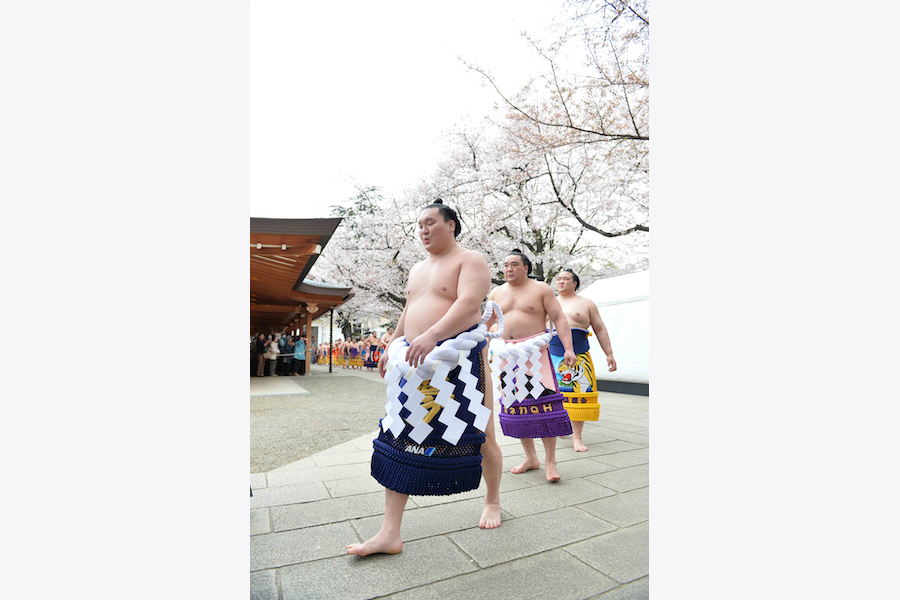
<point x="299" y="366"/>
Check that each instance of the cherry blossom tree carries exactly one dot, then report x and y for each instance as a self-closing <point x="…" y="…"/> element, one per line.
<point x="561" y="171"/>
<point x="584" y="122"/>
<point x="503" y="203"/>
<point x="371" y="251"/>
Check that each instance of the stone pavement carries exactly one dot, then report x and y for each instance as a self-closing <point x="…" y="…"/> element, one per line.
<point x="585" y="537"/>
<point x="276" y="386"/>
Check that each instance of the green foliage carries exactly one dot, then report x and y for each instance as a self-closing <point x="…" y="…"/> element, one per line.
<point x="366" y="202"/>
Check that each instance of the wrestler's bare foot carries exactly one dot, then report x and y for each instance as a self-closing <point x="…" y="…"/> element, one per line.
<point x="552" y="473"/>
<point x="380" y="544"/>
<point x="527" y="465"/>
<point x="490" y="517"/>
<point x="579" y="445"/>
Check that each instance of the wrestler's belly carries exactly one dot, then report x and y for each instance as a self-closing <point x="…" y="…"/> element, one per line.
<point x="518" y="324"/>
<point x="424" y="314"/>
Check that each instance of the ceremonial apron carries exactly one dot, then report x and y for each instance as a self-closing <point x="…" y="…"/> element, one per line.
<point x="430" y="439"/>
<point x="530" y="400"/>
<point x="578" y="383"/>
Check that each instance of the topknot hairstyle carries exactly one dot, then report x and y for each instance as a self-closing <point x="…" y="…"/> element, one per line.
<point x="448" y="213"/>
<point x="525" y="259"/>
<point x="574" y="278"/>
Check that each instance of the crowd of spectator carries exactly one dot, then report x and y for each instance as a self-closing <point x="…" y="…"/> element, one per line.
<point x="277" y="354"/>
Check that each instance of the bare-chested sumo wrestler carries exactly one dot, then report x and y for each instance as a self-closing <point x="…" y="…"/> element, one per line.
<point x="425" y="447"/>
<point x="530" y="402"/>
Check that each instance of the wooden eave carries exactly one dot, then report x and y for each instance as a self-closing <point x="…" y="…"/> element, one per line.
<point x="282" y="251"/>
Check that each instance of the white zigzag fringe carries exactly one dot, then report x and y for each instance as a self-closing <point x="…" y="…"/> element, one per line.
<point x="392" y="419"/>
<point x="436" y="367"/>
<point x="517" y="357"/>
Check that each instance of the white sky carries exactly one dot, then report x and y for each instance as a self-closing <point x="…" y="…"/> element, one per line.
<point x="360" y="91"/>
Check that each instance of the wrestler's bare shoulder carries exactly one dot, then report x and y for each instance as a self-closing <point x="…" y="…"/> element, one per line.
<point x="544" y="288"/>
<point x="498" y="292"/>
<point x="460" y="256"/>
<point x="576" y="301"/>
<point x="473" y="255"/>
<point x="536" y="289"/>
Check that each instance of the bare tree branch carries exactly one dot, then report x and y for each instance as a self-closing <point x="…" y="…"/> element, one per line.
<point x="602" y="134"/>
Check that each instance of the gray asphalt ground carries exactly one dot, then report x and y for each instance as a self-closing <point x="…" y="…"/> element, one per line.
<point x="286" y="428"/>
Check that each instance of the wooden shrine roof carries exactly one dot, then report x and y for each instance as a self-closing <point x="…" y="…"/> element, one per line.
<point x="282" y="251"/>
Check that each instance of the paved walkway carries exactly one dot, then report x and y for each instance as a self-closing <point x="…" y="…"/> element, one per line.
<point x="585" y="537"/>
<point x="278" y="386"/>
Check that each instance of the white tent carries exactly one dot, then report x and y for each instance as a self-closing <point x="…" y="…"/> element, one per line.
<point x="624" y="304"/>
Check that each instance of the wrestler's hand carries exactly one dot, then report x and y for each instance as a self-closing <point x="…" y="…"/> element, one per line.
<point x="569" y="358"/>
<point x="382" y="364"/>
<point x="419" y="349"/>
<point x="611" y="362"/>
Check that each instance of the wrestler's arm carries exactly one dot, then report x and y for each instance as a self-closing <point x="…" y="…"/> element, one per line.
<point x="492" y="322"/>
<point x="471" y="288"/>
<point x="556" y="314"/>
<point x="602" y="334"/>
